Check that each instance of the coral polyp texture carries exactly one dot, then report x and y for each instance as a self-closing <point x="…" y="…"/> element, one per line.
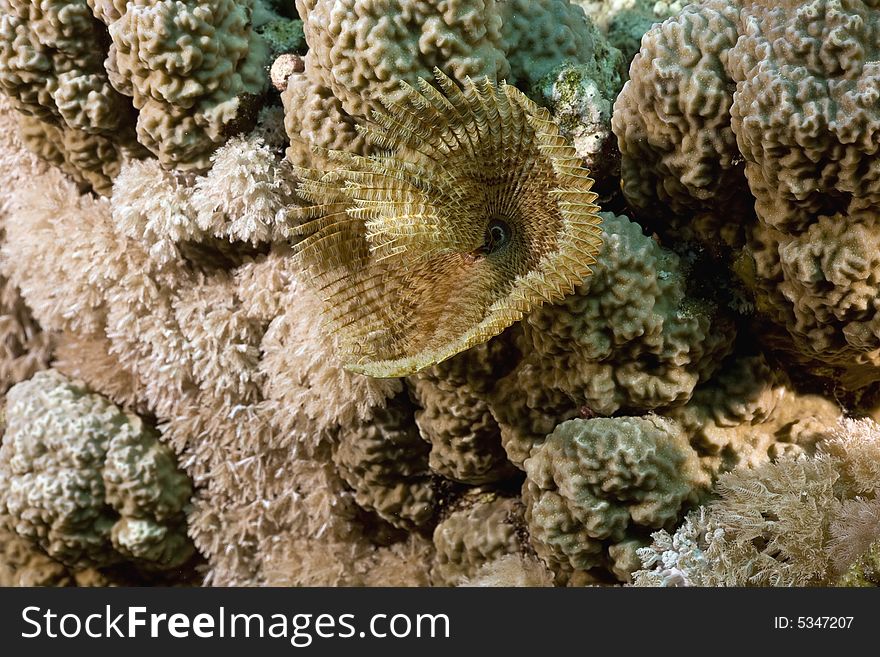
<point x="479" y="213"/>
<point x="751" y="128"/>
<point x="99" y="83"/>
<point x="89" y="484"/>
<point x="439" y="293"/>
<point x="797" y="522"/>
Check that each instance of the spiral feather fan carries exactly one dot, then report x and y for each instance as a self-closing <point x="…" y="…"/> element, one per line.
<point x="475" y="211"/>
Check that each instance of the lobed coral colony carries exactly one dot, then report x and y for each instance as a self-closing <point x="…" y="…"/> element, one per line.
<point x="459" y="293"/>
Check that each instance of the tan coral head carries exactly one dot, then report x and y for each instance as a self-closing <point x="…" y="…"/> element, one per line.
<point x="475" y="212"/>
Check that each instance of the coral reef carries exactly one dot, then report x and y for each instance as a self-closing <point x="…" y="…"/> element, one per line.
<point x="796" y="522"/>
<point x="188" y="328"/>
<point x="765" y="114"/>
<point x="465" y="439"/>
<point x="24" y="347"/>
<point x="52" y="67"/>
<point x="185" y="108"/>
<point x="582" y="109"/>
<point x="629" y="339"/>
<point x="348" y="74"/>
<point x="386" y="464"/>
<point x="320" y="293"/>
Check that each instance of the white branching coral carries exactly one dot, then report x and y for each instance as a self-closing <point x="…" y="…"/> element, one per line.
<point x="796" y="522"/>
<point x="241" y="199"/>
<point x="242" y="196"/>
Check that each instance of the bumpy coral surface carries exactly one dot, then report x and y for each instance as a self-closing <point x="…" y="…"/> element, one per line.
<point x="595" y="485"/>
<point x="482" y="213"/>
<point x="360" y="51"/>
<point x="102" y="82"/>
<point x="629" y="338"/>
<point x="386" y="464"/>
<point x="766" y="112"/>
<point x="189" y="67"/>
<point x="486" y="529"/>
<point x="87" y="483"/>
<point x="465" y="439"/>
<point x="51" y="66"/>
<point x="227" y="207"/>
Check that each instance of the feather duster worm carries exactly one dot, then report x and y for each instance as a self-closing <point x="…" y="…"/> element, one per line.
<point x="475" y="212"/>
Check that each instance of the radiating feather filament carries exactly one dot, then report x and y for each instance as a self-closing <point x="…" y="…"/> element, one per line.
<point x="401" y="243"/>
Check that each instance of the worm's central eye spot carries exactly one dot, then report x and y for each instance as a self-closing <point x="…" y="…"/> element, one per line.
<point x="498" y="234"/>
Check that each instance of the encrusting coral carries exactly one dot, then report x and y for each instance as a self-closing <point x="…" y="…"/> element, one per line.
<point x="749" y="128"/>
<point x="51" y="67"/>
<point x="583" y="111"/>
<point x="480" y="213"/>
<point x="89" y="484"/>
<point x="454" y="414"/>
<point x="386" y="464"/>
<point x="570" y="382"/>
<point x="465" y="439"/>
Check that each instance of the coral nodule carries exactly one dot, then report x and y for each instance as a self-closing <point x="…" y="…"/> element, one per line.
<point x="474" y="211"/>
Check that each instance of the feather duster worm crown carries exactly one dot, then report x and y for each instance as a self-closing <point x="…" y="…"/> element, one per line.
<point x="475" y="212"/>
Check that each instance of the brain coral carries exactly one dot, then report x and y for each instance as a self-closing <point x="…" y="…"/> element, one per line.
<point x="189" y="67"/>
<point x="629" y="338"/>
<point x="360" y="50"/>
<point x="86" y="482"/>
<point x="51" y="68"/>
<point x="480" y="214"/>
<point x="171" y="77"/>
<point x="595" y="486"/>
<point x="766" y="114"/>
